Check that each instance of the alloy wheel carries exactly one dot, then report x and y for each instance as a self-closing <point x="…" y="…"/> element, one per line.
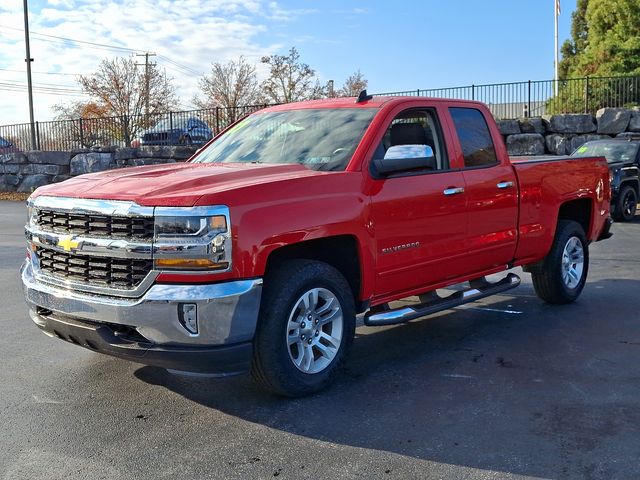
<point x="314" y="330"/>
<point x="572" y="262"/>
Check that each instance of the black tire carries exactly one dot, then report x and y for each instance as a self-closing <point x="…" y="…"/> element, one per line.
<point x="626" y="204"/>
<point x="547" y="277"/>
<point x="273" y="368"/>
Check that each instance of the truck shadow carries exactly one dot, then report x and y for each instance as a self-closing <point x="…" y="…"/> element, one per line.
<point x="546" y="392"/>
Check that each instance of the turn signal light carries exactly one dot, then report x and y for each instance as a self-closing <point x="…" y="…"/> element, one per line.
<point x="190" y="264"/>
<point x="218" y="223"/>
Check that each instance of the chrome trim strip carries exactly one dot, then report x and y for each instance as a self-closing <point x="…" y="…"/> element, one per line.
<point x="93" y="246"/>
<point x="192" y="211"/>
<point x="118" y="208"/>
<point x="70" y="286"/>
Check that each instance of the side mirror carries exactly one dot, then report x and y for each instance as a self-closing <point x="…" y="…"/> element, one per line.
<point x="404" y="158"/>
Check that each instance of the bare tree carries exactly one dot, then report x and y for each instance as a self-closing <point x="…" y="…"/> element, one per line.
<point x="80" y="124"/>
<point x="229" y="86"/>
<point x="290" y="79"/>
<point x="120" y="90"/>
<point x="353" y="85"/>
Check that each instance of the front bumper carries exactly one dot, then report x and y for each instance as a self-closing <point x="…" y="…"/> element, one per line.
<point x="148" y="329"/>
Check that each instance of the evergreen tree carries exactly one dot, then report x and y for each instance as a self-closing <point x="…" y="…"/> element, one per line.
<point x="605" y="39"/>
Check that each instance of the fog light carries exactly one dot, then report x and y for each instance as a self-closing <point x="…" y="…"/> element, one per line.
<point x="188" y="315"/>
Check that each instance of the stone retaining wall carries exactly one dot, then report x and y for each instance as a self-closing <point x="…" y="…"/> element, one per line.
<point x="562" y="134"/>
<point x="548" y="135"/>
<point x="24" y="172"/>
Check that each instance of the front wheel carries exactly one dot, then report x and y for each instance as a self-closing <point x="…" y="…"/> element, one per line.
<point x="306" y="325"/>
<point x="562" y="275"/>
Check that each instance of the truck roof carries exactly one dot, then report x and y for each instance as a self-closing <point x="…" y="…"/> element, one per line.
<point x="350" y="102"/>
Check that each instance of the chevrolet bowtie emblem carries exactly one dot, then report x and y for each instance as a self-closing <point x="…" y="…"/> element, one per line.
<point x="68" y="243"/>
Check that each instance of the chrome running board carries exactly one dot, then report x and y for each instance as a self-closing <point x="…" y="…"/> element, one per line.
<point x="478" y="289"/>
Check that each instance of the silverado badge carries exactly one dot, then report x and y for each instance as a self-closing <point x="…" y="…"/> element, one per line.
<point x="68" y="243"/>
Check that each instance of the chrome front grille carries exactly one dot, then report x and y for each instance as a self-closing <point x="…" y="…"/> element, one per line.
<point x="121" y="273"/>
<point x="90" y="245"/>
<point x="95" y="225"/>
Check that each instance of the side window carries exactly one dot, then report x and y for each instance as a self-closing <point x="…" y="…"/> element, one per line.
<point x="415" y="127"/>
<point x="475" y="138"/>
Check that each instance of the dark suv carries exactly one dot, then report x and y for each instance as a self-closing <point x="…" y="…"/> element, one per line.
<point x="177" y="131"/>
<point x="623" y="157"/>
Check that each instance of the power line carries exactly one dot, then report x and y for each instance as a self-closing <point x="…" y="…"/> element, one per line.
<point x="40" y="90"/>
<point x="182" y="68"/>
<point x="43" y="73"/>
<point x="178" y="70"/>
<point x="67" y="39"/>
<point x="48" y="89"/>
<point x="45" y="85"/>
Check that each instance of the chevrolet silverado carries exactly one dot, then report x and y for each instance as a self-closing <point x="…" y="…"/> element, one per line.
<point x="259" y="252"/>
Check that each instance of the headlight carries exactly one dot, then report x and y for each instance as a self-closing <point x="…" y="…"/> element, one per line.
<point x="196" y="238"/>
<point x="32" y="213"/>
<point x="189" y="226"/>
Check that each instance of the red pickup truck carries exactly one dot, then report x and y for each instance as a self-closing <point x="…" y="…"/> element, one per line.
<point x="259" y="252"/>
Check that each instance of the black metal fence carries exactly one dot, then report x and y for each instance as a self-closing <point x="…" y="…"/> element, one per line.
<point x="535" y="98"/>
<point x="505" y="100"/>
<point x="191" y="127"/>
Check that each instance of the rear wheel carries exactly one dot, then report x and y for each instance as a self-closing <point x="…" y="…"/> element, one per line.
<point x="307" y="323"/>
<point x="562" y="275"/>
<point x="626" y="205"/>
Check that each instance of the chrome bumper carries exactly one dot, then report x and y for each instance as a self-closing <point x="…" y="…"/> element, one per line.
<point x="227" y="312"/>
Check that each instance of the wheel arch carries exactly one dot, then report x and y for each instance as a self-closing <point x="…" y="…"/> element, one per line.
<point x="341" y="252"/>
<point x="633" y="182"/>
<point x="579" y="210"/>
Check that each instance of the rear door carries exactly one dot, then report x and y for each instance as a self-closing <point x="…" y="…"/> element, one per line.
<point x="491" y="190"/>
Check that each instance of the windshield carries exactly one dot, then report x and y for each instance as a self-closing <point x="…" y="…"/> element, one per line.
<point x="614" y="151"/>
<point x="320" y="139"/>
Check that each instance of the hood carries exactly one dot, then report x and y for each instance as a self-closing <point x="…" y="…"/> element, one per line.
<point x="173" y="184"/>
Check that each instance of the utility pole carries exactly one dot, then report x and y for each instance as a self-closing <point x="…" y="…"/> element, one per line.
<point x="29" y="84"/>
<point x="146" y="77"/>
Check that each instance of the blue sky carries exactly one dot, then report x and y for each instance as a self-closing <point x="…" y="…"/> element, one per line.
<point x="397" y="45"/>
<point x="430" y="43"/>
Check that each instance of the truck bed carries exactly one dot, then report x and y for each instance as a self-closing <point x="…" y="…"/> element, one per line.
<point x="544" y="180"/>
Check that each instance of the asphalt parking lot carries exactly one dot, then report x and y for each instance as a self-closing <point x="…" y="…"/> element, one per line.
<point x="505" y="388"/>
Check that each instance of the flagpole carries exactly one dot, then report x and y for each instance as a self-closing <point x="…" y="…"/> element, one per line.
<point x="555" y="11"/>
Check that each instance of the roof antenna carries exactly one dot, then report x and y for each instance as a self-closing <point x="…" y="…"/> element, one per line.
<point x="363" y="97"/>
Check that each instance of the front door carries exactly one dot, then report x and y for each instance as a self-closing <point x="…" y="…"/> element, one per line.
<point x="419" y="219"/>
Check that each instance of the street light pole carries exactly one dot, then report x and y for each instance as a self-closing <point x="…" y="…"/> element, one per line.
<point x="29" y="85"/>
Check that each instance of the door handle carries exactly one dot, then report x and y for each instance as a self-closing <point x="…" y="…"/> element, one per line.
<point x="505" y="185"/>
<point x="453" y="190"/>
